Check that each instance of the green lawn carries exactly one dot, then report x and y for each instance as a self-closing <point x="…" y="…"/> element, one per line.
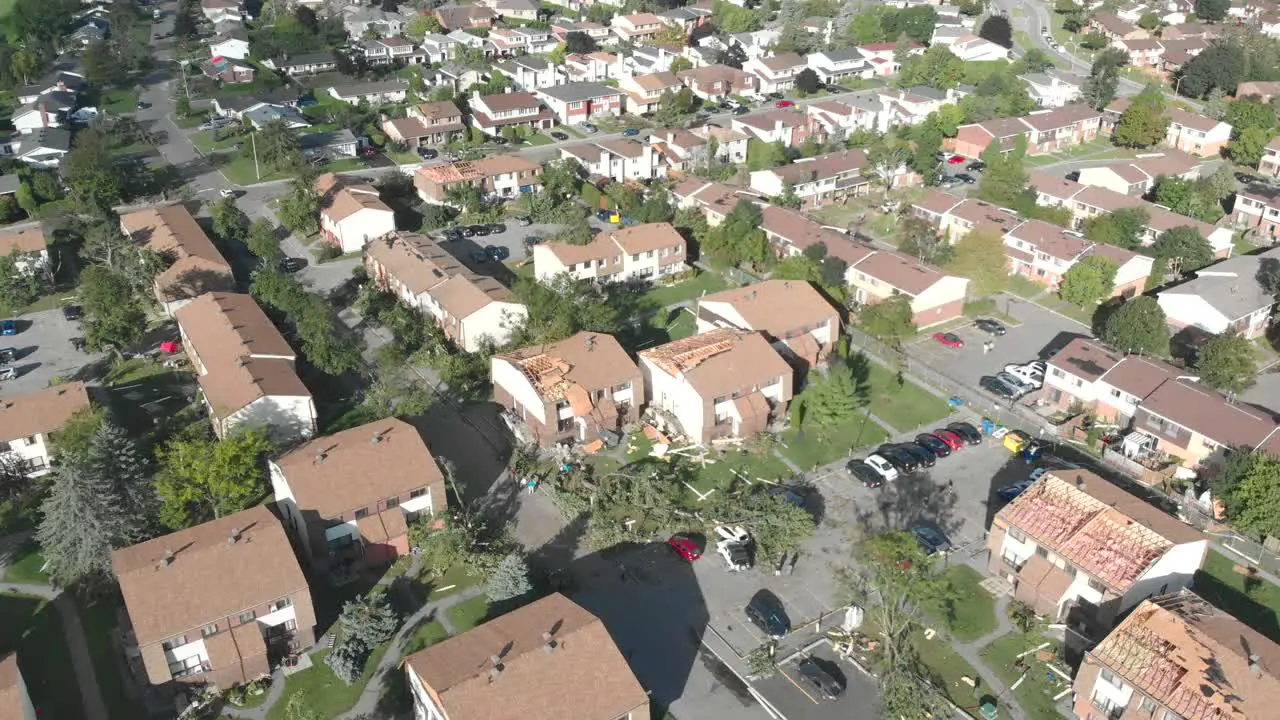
<point x="539" y="139"/>
<point x="424" y="636"/>
<point x="907" y="407"/>
<point x="735" y="465"/>
<point x="1036" y="692"/>
<point x="133" y="370"/>
<point x="1255" y="601"/>
<point x="691" y="289"/>
<point x="99" y="621"/>
<point x="948" y="669"/>
<point x="31" y="627"/>
<point x="972" y="614"/>
<point x="325" y="692"/>
<point x="121" y="101"/>
<point x="453" y="581"/>
<point x="239" y="170"/>
<point x="197" y="118"/>
<point x="468" y="613"/>
<point x="25" y="565"/>
<point x="811" y="448"/>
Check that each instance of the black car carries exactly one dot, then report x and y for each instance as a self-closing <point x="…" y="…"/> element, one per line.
<point x="1246" y="178"/>
<point x="864" y="473"/>
<point x="479" y="257"/>
<point x="989" y="326"/>
<point x="966" y="178"/>
<point x="531" y="240"/>
<point x="998" y="387"/>
<point x="603" y="215"/>
<point x="291" y="264"/>
<point x="775" y="96"/>
<point x="453" y="234"/>
<point x="498" y="140"/>
<point x="967" y="432"/>
<point x="467" y="232"/>
<point x="559" y="135"/>
<point x="931" y="540"/>
<point x="71" y="312"/>
<point x="765" y="612"/>
<point x="813" y="674"/>
<point x="976" y="165"/>
<point x="934" y="444"/>
<point x="496" y="228"/>
<point x="479" y="230"/>
<point x="901" y="461"/>
<point x="497" y="253"/>
<point x="923" y="455"/>
<point x="7" y="356"/>
<point x="741" y="110"/>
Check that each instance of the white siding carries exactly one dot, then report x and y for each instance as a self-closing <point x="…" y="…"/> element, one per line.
<point x="289" y="507"/>
<point x="1192" y="311"/>
<point x="32" y="449"/>
<point x="358" y="229"/>
<point x="509" y="378"/>
<point x="674" y="396"/>
<point x="1171" y="573"/>
<point x="493" y="321"/>
<point x="284" y="417"/>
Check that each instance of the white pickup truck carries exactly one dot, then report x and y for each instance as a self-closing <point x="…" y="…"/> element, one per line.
<point x="735" y="547"/>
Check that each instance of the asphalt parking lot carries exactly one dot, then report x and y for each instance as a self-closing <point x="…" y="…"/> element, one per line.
<point x="787" y="692"/>
<point x="44" y="351"/>
<point x="1040" y="332"/>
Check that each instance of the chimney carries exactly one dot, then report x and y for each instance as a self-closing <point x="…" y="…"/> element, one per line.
<point x="234" y="537"/>
<point x="495" y="667"/>
<point x="1080" y="482"/>
<point x="320" y="456"/>
<point x="167" y="560"/>
<point x="1254" y="666"/>
<point x="548" y="643"/>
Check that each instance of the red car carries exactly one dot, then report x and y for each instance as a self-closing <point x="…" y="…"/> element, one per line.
<point x="951" y="340"/>
<point x="685" y="547"/>
<point x="953" y="441"/>
<point x="368" y="151"/>
<point x="784" y="104"/>
<point x="955" y="159"/>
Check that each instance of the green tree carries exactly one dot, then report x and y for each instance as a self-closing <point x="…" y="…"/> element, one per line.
<point x="937" y="68"/>
<point x="1250" y="112"/>
<point x="1005" y="177"/>
<point x="1248" y="147"/>
<point x="278" y="146"/>
<point x="421" y="24"/>
<point x="1192" y="198"/>
<point x="1221" y="66"/>
<point x="1249" y="488"/>
<point x="120" y="463"/>
<point x="92" y="177"/>
<point x="229" y="223"/>
<point x="831" y="401"/>
<point x="262" y="240"/>
<point x="1227" y="362"/>
<point x="1212" y="10"/>
<point x="1149" y="20"/>
<point x="998" y="30"/>
<point x="919" y="237"/>
<point x="807" y="81"/>
<point x="738" y="239"/>
<point x="1122" y="228"/>
<point x="1142" y="125"/>
<point x="201" y="479"/>
<point x="300" y="209"/>
<point x="365" y="623"/>
<point x="1104" y="78"/>
<point x="763" y="155"/>
<point x="1138" y="326"/>
<point x="21" y="280"/>
<point x="1184" y="248"/>
<point x="979" y="256"/>
<point x="509" y="582"/>
<point x="890" y="321"/>
<point x="113" y="315"/>
<point x="1089" y="281"/>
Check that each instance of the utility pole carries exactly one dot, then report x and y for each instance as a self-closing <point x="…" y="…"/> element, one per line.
<point x="253" y="139"/>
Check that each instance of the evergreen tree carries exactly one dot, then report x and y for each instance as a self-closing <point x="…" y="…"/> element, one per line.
<point x="365" y="623"/>
<point x="124" y="468"/>
<point x="831" y="401"/>
<point x="510" y="580"/>
<point x="81" y="524"/>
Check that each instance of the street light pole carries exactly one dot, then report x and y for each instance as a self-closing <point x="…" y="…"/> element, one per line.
<point x="253" y="139"/>
<point x="1178" y="84"/>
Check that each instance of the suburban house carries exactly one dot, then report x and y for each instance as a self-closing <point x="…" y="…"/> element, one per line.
<point x="1086" y="202"/>
<point x="797" y="320"/>
<point x="227" y="70"/>
<point x="838" y="118"/>
<point x="30" y="420"/>
<point x="1046" y="131"/>
<point x="303" y="64"/>
<point x="1167" y="412"/>
<point x="971" y="48"/>
<point x="1223" y="297"/>
<point x="529" y="72"/>
<point x="329" y="144"/>
<point x="222" y="602"/>
<point x="1113" y="28"/>
<point x="461" y="17"/>
<point x="359" y="20"/>
<point x="438" y="49"/>
<point x="351" y="215"/>
<point x="725" y="383"/>
<point x="636" y="28"/>
<point x="575" y="103"/>
<point x="233" y="45"/>
<point x="519" y="40"/>
<point x="217" y="11"/>
<point x="432" y="123"/>
<point x="592" y="67"/>
<point x="28" y="247"/>
<point x="934" y="295"/>
<point x="776" y="73"/>
<point x="391" y="50"/>
<point x="956" y="216"/>
<point x="1138" y="176"/>
<point x="835" y="65"/>
<point x="195" y="266"/>
<point x="504" y="176"/>
<point x="619" y="160"/>
<point x="644" y="92"/>
<point x="790" y="127"/>
<point x="1044" y="253"/>
<point x="492" y="113"/>
<point x="1052" y="88"/>
<point x="374" y="93"/>
<point x="1177" y="655"/>
<point x="575" y="390"/>
<point x="1189" y="132"/>
<point x="43" y="148"/>
<point x="882" y="58"/>
<point x="561" y="27"/>
<point x="347" y="498"/>
<point x="47" y="111"/>
<point x="717" y="82"/>
<point x="824" y="178"/>
<point x="686" y="18"/>
<point x="1081" y="550"/>
<point x="1263" y="90"/>
<point x="517" y="9"/>
<point x="245" y="367"/>
<point x="1258" y="208"/>
<point x="1270" y="163"/>
<point x="732" y="144"/>
<point x="261" y="114"/>
<point x="681" y="150"/>
<point x="15" y="701"/>
<point x="651" y="251"/>
<point x="471" y="309"/>
<point x="548" y="660"/>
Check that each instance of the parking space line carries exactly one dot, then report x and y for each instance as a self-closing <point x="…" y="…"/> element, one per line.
<point x="793" y="682"/>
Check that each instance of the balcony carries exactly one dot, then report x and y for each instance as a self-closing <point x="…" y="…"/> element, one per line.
<point x="1107" y="709"/>
<point x="200" y="669"/>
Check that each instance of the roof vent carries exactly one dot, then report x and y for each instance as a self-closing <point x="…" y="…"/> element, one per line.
<point x="167" y="560"/>
<point x="234" y="537"/>
<point x="549" y="643"/>
<point x="1254" y="665"/>
<point x="591" y="342"/>
<point x="320" y="456"/>
<point x="1079" y="482"/>
<point x="495" y="667"/>
<point x="377" y="437"/>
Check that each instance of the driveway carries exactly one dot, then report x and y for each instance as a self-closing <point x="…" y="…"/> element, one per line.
<point x="44" y="351"/>
<point x="795" y="700"/>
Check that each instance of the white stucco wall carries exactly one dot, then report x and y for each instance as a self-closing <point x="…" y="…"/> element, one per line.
<point x="26" y="451"/>
<point x="674" y="396"/>
<point x="508" y="377"/>
<point x="1171" y="573"/>
<point x="494" y="321"/>
<point x="284" y="417"/>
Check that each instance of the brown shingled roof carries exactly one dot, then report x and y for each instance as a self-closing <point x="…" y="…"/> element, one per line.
<point x="11" y="705"/>
<point x="589" y="360"/>
<point x="26" y="240"/>
<point x="340" y="200"/>
<point x="579" y="675"/>
<point x="1085" y="358"/>
<point x="503" y="102"/>
<point x="208" y="577"/>
<point x="718" y="362"/>
<point x="41" y="412"/>
<point x="356" y="468"/>
<point x="196" y="265"/>
<point x="900" y="271"/>
<point x="776" y="307"/>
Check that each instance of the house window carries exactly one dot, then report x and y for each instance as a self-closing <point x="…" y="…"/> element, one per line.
<point x="1095" y="585"/>
<point x="1017" y="534"/>
<point x="393" y="502"/>
<point x="31" y="439"/>
<point x="340" y="542"/>
<point x="174" y="642"/>
<point x="417" y="493"/>
<point x="564" y="425"/>
<point x="208" y="630"/>
<point x="282" y="604"/>
<point x="362" y="512"/>
<point x="1042" y="552"/>
<point x="251" y="614"/>
<point x="1109" y="677"/>
<point x="1148" y="705"/>
<point x="622" y="387"/>
<point x="190" y="666"/>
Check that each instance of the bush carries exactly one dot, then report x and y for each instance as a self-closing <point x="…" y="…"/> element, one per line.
<point x="327" y="251"/>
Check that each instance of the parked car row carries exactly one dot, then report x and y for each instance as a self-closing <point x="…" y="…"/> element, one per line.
<point x="466" y="231"/>
<point x="1015" y="380"/>
<point x="893" y="460"/>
